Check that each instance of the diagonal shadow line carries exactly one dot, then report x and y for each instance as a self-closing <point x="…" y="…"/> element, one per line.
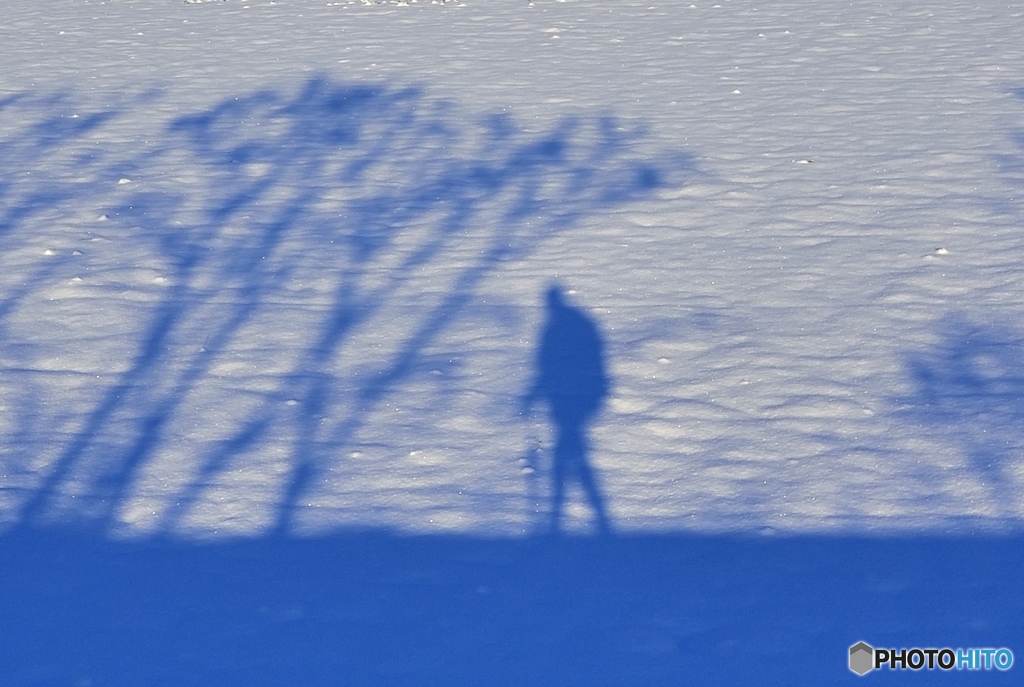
<point x="113" y="486"/>
<point x="33" y="508"/>
<point x="167" y="317"/>
<point x="117" y="482"/>
<point x="371" y="393"/>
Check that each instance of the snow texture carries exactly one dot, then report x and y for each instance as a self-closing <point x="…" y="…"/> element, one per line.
<point x="272" y="298"/>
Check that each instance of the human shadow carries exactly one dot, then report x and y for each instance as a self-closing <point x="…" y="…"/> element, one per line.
<point x="571" y="378"/>
<point x="968" y="390"/>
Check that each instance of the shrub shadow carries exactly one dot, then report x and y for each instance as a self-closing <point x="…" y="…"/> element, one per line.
<point x="968" y="390"/>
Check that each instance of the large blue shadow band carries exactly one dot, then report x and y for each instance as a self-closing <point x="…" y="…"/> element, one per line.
<point x="376" y="609"/>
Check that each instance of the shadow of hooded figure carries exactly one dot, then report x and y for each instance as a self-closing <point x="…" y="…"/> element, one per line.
<point x="571" y="379"/>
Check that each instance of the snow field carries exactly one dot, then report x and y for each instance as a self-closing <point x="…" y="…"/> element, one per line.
<point x="279" y="266"/>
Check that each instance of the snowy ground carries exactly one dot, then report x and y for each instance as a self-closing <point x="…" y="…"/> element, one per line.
<point x="276" y="271"/>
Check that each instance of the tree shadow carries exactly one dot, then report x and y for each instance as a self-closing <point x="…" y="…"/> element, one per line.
<point x="265" y="243"/>
<point x="571" y="378"/>
<point x="327" y="203"/>
<point x="968" y="390"/>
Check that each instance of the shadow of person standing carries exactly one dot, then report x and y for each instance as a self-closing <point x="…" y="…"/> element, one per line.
<point x="571" y="379"/>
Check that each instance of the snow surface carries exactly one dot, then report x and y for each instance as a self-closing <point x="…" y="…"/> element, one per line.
<point x="272" y="280"/>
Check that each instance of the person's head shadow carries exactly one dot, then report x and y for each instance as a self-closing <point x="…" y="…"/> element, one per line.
<point x="571" y="379"/>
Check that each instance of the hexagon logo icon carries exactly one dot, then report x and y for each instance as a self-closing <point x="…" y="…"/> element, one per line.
<point x="861" y="658"/>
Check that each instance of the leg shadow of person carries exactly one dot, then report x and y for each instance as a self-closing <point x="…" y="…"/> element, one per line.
<point x="571" y="379"/>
